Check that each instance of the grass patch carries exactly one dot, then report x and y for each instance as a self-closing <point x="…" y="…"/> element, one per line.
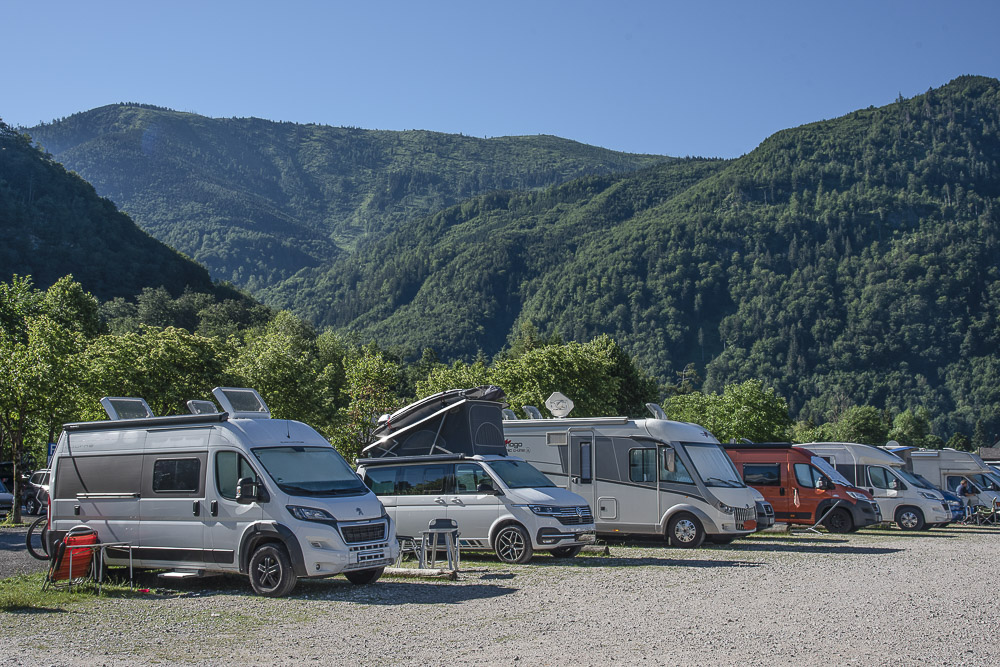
<point x="24" y="593"/>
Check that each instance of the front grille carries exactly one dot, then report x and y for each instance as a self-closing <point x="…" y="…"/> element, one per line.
<point x="369" y="532"/>
<point x="744" y="514"/>
<point x="768" y="509"/>
<point x="574" y="516"/>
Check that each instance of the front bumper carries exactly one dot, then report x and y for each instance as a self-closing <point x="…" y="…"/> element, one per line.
<point x="549" y="536"/>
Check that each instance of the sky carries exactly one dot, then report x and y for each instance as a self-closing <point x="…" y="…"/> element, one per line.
<point x="692" y="78"/>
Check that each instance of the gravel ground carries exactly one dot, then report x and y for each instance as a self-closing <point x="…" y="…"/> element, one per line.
<point x="876" y="597"/>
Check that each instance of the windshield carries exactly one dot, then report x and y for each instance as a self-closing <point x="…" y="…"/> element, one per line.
<point x="985" y="482"/>
<point x="923" y="482"/>
<point x="908" y="477"/>
<point x="712" y="463"/>
<point x="519" y="474"/>
<point x="310" y="471"/>
<point x="829" y="471"/>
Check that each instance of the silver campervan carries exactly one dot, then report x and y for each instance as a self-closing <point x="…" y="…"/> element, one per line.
<point x="231" y="491"/>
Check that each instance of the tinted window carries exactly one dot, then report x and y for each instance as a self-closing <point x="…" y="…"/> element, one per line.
<point x="230" y="468"/>
<point x="381" y="480"/>
<point x="176" y="475"/>
<point x="762" y="474"/>
<point x="642" y="465"/>
<point x="98" y="474"/>
<point x="310" y="471"/>
<point x="879" y="477"/>
<point x="421" y="480"/>
<point x="468" y="477"/>
<point x="519" y="474"/>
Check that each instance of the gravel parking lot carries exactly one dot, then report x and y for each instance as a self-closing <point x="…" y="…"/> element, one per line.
<point x="876" y="597"/>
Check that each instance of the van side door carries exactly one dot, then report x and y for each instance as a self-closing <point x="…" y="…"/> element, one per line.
<point x="171" y="525"/>
<point x="475" y="510"/>
<point x="419" y="495"/>
<point x="771" y="480"/>
<point x="226" y="519"/>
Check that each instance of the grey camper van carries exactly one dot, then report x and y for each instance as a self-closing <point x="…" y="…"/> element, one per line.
<point x="231" y="491"/>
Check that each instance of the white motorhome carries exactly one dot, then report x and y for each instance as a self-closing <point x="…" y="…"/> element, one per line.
<point x="231" y="491"/>
<point x="643" y="476"/>
<point x="901" y="498"/>
<point x="947" y="467"/>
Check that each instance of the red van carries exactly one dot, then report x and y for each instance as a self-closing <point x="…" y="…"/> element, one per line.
<point x="803" y="487"/>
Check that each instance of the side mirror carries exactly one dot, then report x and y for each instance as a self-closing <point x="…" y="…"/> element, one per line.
<point x="894" y="484"/>
<point x="486" y="487"/>
<point x="668" y="459"/>
<point x="821" y="483"/>
<point x="247" y="491"/>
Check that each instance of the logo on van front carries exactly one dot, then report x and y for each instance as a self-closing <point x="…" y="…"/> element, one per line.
<point x="360" y="511"/>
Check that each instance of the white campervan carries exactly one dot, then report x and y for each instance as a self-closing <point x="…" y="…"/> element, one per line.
<point x="643" y="476"/>
<point x="232" y="491"/>
<point x="947" y="468"/>
<point x="901" y="498"/>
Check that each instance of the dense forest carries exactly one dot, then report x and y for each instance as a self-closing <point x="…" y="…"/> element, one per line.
<point x="254" y="200"/>
<point x="847" y="262"/>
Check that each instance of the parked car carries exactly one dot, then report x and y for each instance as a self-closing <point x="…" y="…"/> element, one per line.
<point x="6" y="500"/>
<point x="35" y="492"/>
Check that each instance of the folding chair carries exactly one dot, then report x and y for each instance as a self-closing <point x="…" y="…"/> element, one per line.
<point x="72" y="559"/>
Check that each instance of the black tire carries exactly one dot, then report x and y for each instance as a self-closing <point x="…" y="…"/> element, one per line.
<point x="32" y="507"/>
<point x="362" y="577"/>
<point x="271" y="571"/>
<point x="720" y="539"/>
<point x="37" y="538"/>
<point x="512" y="544"/>
<point x="910" y="518"/>
<point x="839" y="521"/>
<point x="567" y="552"/>
<point x="685" y="531"/>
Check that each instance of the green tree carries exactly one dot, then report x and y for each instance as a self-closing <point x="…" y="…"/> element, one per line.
<point x="747" y="410"/>
<point x="370" y="378"/>
<point x="912" y="428"/>
<point x="864" y="424"/>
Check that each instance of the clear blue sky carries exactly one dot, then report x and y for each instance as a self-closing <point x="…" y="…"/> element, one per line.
<point x="673" y="78"/>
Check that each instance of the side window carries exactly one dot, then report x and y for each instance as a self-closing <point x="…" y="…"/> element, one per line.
<point x="381" y="480"/>
<point x="230" y="468"/>
<point x="879" y="477"/>
<point x="176" y="475"/>
<point x="421" y="480"/>
<point x="468" y="477"/>
<point x="806" y="475"/>
<point x="953" y="482"/>
<point x="762" y="474"/>
<point x="642" y="465"/>
<point x="680" y="474"/>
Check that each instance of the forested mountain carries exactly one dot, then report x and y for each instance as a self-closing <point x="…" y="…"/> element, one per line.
<point x="850" y="261"/>
<point x="53" y="223"/>
<point x="255" y="200"/>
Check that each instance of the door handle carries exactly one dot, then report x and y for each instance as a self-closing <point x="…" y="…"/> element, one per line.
<point x="439" y="500"/>
<point x="781" y="491"/>
<point x="214" y="508"/>
<point x="196" y="508"/>
<point x="457" y="501"/>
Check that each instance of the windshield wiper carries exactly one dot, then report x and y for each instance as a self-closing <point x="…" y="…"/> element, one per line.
<point x="728" y="483"/>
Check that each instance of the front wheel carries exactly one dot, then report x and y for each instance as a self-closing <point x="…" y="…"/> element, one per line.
<point x="839" y="521"/>
<point x="36" y="540"/>
<point x="567" y="552"/>
<point x="910" y="518"/>
<point x="685" y="531"/>
<point x="31" y="506"/>
<point x="512" y="545"/>
<point x="362" y="577"/>
<point x="271" y="571"/>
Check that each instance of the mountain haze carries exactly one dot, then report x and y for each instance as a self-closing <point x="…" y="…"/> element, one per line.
<point x="256" y="201"/>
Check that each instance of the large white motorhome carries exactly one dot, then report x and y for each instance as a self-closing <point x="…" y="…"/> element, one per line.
<point x="232" y="491"/>
<point x="900" y="497"/>
<point x="947" y="468"/>
<point x="643" y="476"/>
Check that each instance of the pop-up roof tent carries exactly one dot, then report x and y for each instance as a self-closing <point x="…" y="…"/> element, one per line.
<point x="457" y="421"/>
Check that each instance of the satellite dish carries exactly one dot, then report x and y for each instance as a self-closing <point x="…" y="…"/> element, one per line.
<point x="558" y="404"/>
<point x="892" y="443"/>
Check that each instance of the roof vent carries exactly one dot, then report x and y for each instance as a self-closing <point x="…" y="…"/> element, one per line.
<point x="241" y="403"/>
<point x="121" y="407"/>
<point x="532" y="412"/>
<point x="202" y="407"/>
<point x="508" y="415"/>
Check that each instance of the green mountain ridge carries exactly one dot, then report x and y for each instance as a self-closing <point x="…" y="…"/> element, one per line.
<point x="256" y="201"/>
<point x="847" y="261"/>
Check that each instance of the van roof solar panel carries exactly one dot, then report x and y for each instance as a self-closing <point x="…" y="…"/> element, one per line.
<point x="121" y="407"/>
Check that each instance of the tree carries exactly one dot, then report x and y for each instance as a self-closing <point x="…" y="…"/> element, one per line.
<point x="38" y="381"/>
<point x="370" y="378"/>
<point x="864" y="424"/>
<point x="747" y="410"/>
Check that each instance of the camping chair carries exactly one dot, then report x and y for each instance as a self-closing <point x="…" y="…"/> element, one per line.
<point x="72" y="560"/>
<point x="988" y="515"/>
<point x="440" y="533"/>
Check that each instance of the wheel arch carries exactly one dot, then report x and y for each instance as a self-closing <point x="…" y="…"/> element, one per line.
<point x="262" y="533"/>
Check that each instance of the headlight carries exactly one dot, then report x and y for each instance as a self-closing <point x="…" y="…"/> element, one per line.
<point x="310" y="514"/>
<point x="929" y="496"/>
<point x="723" y="507"/>
<point x="857" y="496"/>
<point x="545" y="510"/>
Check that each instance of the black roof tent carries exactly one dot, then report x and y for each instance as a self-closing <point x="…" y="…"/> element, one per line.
<point x="457" y="421"/>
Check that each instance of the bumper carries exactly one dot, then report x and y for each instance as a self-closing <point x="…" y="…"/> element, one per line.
<point x="865" y="513"/>
<point x="550" y="536"/>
